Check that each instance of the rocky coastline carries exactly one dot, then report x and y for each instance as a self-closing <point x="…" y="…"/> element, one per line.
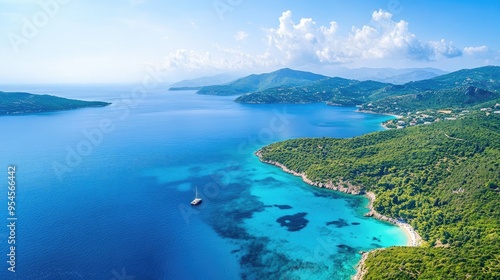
<point x="341" y="186"/>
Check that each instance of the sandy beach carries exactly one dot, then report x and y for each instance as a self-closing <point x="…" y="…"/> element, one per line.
<point x="414" y="238"/>
<point x="384" y="114"/>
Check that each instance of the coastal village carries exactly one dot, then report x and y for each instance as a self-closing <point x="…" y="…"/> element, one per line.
<point x="431" y="115"/>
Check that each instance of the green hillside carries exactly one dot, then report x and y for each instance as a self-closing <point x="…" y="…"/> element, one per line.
<point x="487" y="78"/>
<point x="12" y="103"/>
<point x="444" y="179"/>
<point x="461" y="89"/>
<point x="450" y="98"/>
<point x="252" y="83"/>
<point x="337" y="91"/>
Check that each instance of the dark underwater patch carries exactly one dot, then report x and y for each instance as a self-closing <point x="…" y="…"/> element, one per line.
<point x="316" y="194"/>
<point x="346" y="249"/>
<point x="268" y="180"/>
<point x="354" y="202"/>
<point x="283" y="207"/>
<point x="255" y="251"/>
<point x="339" y="223"/>
<point x="195" y="169"/>
<point x="255" y="262"/>
<point x="293" y="222"/>
<point x="355" y="224"/>
<point x="229" y="208"/>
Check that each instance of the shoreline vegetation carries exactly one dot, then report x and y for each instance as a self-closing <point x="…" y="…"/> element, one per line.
<point x="414" y="239"/>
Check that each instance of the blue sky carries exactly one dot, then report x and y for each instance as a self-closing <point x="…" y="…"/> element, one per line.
<point x="76" y="41"/>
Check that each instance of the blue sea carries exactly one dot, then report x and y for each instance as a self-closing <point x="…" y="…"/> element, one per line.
<point x="104" y="193"/>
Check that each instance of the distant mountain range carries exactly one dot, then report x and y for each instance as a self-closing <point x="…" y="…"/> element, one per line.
<point x="462" y="88"/>
<point x="198" y="83"/>
<point x="387" y="75"/>
<point x="15" y="103"/>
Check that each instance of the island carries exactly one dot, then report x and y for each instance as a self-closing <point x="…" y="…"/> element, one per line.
<point x="18" y="103"/>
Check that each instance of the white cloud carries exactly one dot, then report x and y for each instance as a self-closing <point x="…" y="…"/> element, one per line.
<point x="484" y="53"/>
<point x="381" y="16"/>
<point x="480" y="51"/>
<point x="445" y="49"/>
<point x="188" y="60"/>
<point x="307" y="43"/>
<point x="240" y="36"/>
<point x="222" y="59"/>
<point x="385" y="38"/>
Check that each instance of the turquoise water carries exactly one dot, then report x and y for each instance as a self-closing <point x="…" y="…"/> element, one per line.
<point x="104" y="193"/>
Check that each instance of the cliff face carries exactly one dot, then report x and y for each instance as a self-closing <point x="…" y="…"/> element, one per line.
<point x="475" y="94"/>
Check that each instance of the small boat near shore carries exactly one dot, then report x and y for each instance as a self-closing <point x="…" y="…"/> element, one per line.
<point x="197" y="200"/>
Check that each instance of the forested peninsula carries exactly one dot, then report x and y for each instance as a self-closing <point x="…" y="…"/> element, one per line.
<point x="18" y="103"/>
<point x="443" y="179"/>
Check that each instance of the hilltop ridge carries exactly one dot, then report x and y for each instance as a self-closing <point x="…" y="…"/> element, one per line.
<point x="257" y="82"/>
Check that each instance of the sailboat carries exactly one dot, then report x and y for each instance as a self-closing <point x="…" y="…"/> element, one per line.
<point x="196" y="200"/>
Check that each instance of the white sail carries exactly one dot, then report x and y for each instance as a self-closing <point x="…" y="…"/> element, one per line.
<point x="196" y="200"/>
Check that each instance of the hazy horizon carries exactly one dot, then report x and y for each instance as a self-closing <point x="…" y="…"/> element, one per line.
<point x="121" y="42"/>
